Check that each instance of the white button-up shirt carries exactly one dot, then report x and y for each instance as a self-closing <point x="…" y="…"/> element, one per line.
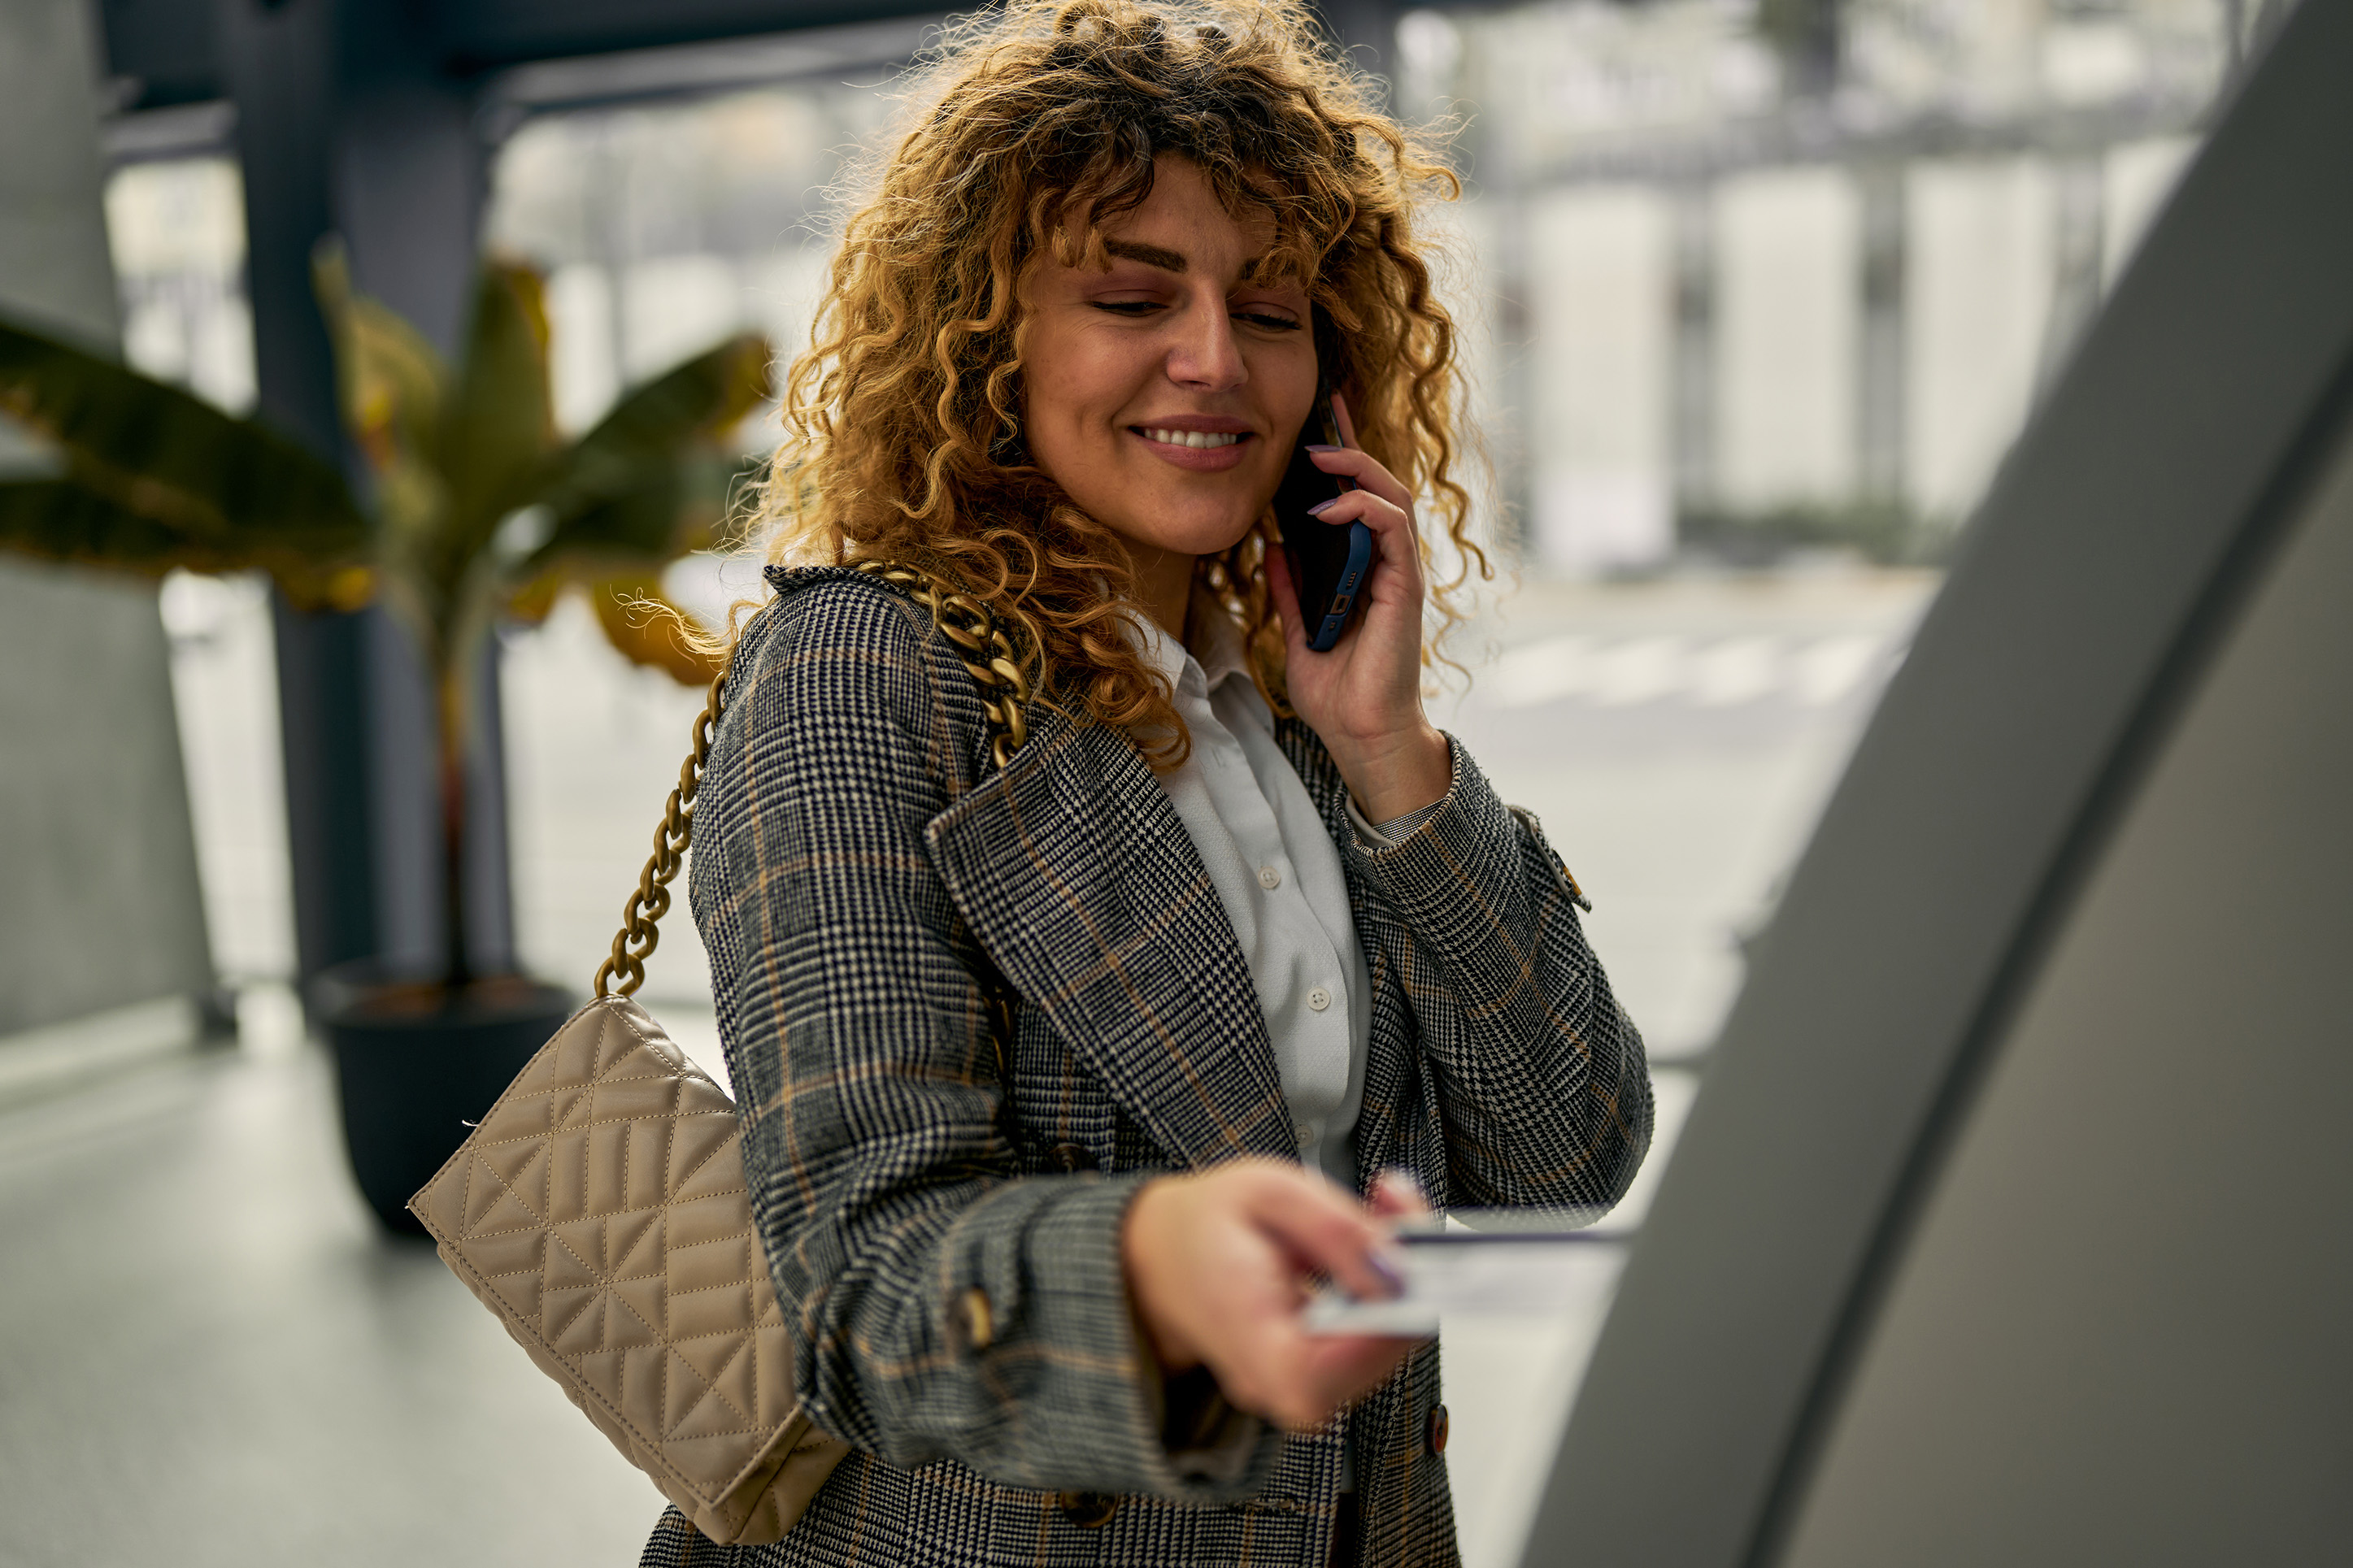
<point x="1278" y="874"/>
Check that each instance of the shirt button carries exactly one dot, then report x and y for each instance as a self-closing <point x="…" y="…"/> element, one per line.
<point x="1318" y="999"/>
<point x="1304" y="1133"/>
<point x="1269" y="878"/>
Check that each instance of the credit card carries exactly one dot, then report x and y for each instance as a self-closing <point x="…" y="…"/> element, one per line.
<point x="1515" y="1265"/>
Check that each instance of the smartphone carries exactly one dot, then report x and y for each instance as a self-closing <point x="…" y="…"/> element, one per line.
<point x="1329" y="562"/>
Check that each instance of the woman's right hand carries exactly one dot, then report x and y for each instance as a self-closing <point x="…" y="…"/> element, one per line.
<point x="1221" y="1262"/>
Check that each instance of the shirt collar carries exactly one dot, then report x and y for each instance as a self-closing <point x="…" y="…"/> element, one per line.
<point x="1216" y="656"/>
<point x="1216" y="641"/>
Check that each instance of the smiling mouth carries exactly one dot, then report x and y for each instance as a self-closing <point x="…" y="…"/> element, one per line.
<point x="1204" y="439"/>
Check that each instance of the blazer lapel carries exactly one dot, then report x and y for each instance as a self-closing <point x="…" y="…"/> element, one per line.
<point x="1078" y="879"/>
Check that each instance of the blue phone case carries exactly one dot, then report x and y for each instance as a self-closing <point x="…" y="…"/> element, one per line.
<point x="1343" y="592"/>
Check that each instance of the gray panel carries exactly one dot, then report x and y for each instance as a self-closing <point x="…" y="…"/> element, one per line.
<point x="2119" y="1334"/>
<point x="97" y="861"/>
<point x="2145" y="488"/>
<point x="55" y="271"/>
<point x="102" y="907"/>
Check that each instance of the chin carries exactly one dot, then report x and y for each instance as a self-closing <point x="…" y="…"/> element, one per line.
<point x="1206" y="536"/>
<point x="1193" y="524"/>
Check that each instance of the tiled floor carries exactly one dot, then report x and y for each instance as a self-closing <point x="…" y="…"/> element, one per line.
<point x="209" y="1356"/>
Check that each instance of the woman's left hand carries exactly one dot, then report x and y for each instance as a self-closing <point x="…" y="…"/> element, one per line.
<point x="1363" y="695"/>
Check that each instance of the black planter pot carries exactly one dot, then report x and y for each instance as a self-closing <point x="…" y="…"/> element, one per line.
<point x="416" y="1062"/>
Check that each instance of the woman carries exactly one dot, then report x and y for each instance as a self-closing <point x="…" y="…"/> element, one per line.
<point x="1056" y="1075"/>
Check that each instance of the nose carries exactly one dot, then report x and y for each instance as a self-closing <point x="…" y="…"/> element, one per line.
<point x="1205" y="355"/>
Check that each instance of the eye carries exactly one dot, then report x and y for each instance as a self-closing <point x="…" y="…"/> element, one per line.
<point x="1131" y="308"/>
<point x="1268" y="321"/>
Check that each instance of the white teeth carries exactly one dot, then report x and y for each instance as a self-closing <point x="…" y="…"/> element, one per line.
<point x="1203" y="438"/>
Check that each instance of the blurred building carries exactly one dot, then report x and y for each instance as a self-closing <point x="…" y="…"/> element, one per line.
<point x="1771" y="275"/>
<point x="1743" y="275"/>
<point x="1740" y="278"/>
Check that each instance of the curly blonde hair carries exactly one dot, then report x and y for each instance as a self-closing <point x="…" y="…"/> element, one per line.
<point x="1027" y="131"/>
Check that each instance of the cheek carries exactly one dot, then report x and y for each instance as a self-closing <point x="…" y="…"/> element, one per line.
<point x="1299" y="390"/>
<point x="1068" y="379"/>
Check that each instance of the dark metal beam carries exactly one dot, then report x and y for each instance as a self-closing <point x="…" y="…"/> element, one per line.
<point x="472" y="36"/>
<point x="170" y="51"/>
<point x="162" y="52"/>
<point x="277" y="65"/>
<point x="346" y="126"/>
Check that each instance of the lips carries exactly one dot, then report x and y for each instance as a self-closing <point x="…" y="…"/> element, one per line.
<point x="1199" y="451"/>
<point x="1204" y="441"/>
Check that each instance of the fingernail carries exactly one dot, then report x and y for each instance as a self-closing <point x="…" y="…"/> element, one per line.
<point x="1314" y="446"/>
<point x="1321" y="507"/>
<point x="1399" y="1175"/>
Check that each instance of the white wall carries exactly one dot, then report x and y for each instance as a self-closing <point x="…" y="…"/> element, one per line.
<point x="1599" y="310"/>
<point x="1977" y="292"/>
<point x="1789" y="309"/>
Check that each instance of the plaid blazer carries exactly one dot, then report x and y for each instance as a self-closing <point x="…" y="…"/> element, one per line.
<point x="968" y="1012"/>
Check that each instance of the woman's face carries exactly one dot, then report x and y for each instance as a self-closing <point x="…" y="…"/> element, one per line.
<point x="1163" y="395"/>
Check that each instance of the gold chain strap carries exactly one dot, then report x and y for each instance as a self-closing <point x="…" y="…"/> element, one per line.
<point x="981" y="644"/>
<point x="639" y="917"/>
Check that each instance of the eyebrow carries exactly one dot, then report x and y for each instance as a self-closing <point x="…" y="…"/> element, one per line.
<point x="1150" y="255"/>
<point x="1165" y="260"/>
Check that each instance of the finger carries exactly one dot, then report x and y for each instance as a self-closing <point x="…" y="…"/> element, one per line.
<point x="1365" y="469"/>
<point x="1285" y="595"/>
<point x="1341" y="417"/>
<point x="1396" y="1193"/>
<point x="1324" y="1374"/>
<point x="1342" y="1367"/>
<point x="1327" y="1233"/>
<point x="1298" y="1379"/>
<point x="1392" y="531"/>
<point x="1380" y="514"/>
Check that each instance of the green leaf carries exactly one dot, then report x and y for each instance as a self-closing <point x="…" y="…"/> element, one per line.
<point x="646" y="629"/>
<point x="626" y="599"/>
<point x="658" y="440"/>
<point x="163" y="453"/>
<point x="61" y="520"/>
<point x="675" y="508"/>
<point x="389" y="379"/>
<point x="57" y="519"/>
<point x="499" y="428"/>
<point x="644" y="523"/>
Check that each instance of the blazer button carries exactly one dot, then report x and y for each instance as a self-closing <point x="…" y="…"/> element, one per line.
<point x="973" y="1315"/>
<point x="1070" y="1157"/>
<point x="1434" y="1430"/>
<point x="1089" y="1511"/>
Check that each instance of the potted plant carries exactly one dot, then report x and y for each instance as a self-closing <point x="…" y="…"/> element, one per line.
<point x="477" y="511"/>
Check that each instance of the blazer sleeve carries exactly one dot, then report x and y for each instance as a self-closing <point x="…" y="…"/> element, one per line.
<point x="1541" y="1082"/>
<point x="943" y="1304"/>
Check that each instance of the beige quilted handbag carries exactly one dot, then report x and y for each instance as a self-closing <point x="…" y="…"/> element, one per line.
<point x="600" y="1212"/>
